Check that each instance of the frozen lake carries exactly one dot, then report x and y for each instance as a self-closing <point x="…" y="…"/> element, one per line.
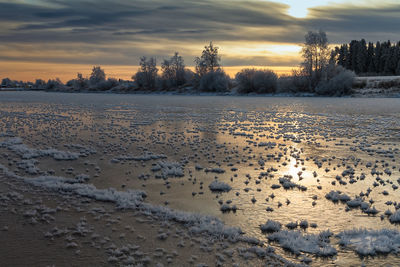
<point x="329" y="163"/>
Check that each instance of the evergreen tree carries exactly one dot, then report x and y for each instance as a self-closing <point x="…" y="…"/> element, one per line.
<point x="370" y="58"/>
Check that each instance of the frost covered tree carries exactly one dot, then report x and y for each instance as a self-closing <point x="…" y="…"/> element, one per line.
<point x="209" y="60"/>
<point x="146" y="76"/>
<point x="39" y="84"/>
<point x="173" y="71"/>
<point x="6" y="82"/>
<point x="315" y="53"/>
<point x="81" y="83"/>
<point x="54" y="84"/>
<point x="97" y="76"/>
<point x="209" y="76"/>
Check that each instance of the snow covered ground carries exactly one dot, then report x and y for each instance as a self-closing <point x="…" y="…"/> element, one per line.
<point x="262" y="178"/>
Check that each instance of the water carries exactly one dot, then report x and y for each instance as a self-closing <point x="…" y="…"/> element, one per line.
<point x="226" y="133"/>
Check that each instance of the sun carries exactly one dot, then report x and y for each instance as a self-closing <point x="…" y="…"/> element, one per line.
<point x="300" y="9"/>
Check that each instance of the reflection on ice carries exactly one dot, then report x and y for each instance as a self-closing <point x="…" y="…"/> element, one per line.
<point x="286" y="171"/>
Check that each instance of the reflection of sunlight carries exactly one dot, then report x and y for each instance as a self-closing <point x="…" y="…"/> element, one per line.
<point x="293" y="169"/>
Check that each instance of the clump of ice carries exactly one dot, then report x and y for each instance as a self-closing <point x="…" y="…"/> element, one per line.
<point x="271" y="226"/>
<point x="218" y="186"/>
<point x="15" y="144"/>
<point x="395" y="217"/>
<point x="145" y="157"/>
<point x="297" y="242"/>
<point x="214" y="170"/>
<point x="29" y="165"/>
<point x="371" y="242"/>
<point x="335" y="196"/>
<point x="123" y="199"/>
<point x="168" y="169"/>
<point x="267" y="144"/>
<point x="288" y="184"/>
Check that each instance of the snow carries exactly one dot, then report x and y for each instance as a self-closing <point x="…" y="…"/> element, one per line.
<point x="297" y="242"/>
<point x="218" y="186"/>
<point x="371" y="242"/>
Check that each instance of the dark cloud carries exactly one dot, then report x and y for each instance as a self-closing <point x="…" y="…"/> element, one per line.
<point x="123" y="30"/>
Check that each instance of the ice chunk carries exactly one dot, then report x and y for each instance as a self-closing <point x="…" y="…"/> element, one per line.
<point x="218" y="186"/>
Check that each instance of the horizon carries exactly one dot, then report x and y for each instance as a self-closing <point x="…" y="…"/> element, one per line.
<point x="41" y="39"/>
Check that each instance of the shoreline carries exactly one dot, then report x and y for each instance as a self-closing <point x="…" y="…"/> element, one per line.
<point x="359" y="93"/>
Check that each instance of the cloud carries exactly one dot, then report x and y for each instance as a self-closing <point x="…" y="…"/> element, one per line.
<point x="120" y="31"/>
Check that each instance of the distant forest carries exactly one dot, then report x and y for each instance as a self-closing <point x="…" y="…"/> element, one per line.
<point x="369" y="59"/>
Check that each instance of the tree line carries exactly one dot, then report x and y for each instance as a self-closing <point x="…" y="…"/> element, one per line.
<point x="369" y="59"/>
<point x="323" y="72"/>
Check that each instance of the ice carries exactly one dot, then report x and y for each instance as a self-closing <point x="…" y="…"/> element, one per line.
<point x="197" y="223"/>
<point x="371" y="242"/>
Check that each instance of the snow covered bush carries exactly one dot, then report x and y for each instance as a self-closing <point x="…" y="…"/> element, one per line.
<point x="256" y="81"/>
<point x="54" y="85"/>
<point x="146" y="76"/>
<point x="297" y="82"/>
<point x="339" y="82"/>
<point x="215" y="81"/>
<point x="79" y="83"/>
<point x="106" y="85"/>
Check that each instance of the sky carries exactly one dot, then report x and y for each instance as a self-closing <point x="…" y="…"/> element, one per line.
<point x="58" y="38"/>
